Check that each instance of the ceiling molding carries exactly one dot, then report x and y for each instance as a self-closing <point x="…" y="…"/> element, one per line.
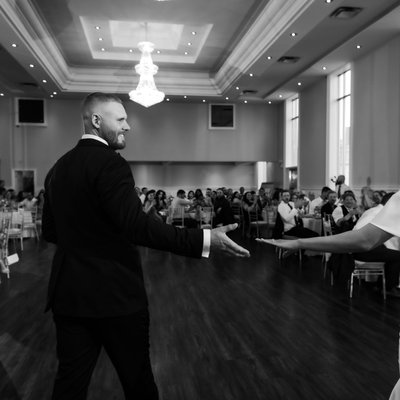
<point x="274" y="19"/>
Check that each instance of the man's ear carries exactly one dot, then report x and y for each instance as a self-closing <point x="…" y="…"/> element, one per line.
<point x="96" y="119"/>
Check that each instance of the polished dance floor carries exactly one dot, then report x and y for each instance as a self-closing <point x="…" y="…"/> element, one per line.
<point x="222" y="329"/>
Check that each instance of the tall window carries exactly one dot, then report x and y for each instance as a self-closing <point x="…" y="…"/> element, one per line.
<point x="344" y="123"/>
<point x="292" y="132"/>
<point x="291" y="142"/>
<point x="339" y="129"/>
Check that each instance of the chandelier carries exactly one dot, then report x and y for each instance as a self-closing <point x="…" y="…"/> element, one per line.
<point x="146" y="93"/>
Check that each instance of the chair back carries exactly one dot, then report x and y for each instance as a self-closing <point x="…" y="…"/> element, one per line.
<point x="176" y="216"/>
<point x="278" y="228"/>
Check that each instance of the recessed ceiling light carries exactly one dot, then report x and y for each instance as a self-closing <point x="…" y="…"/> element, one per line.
<point x="44" y="81"/>
<point x="269" y="58"/>
<point x="245" y="102"/>
<point x="100" y="39"/>
<point x="103" y="49"/>
<point x="270" y="102"/>
<point x="226" y="98"/>
<point x="237" y="87"/>
<point x="54" y="93"/>
<point x="280" y="96"/>
<point x="193" y="33"/>
<point x="97" y="28"/>
<point x="250" y="74"/>
<point x="14" y="45"/>
<point x="204" y="101"/>
<point x="185" y="97"/>
<point x="1" y="94"/>
<point x="298" y="83"/>
<point x="51" y="95"/>
<point x="293" y="34"/>
<point x="31" y="65"/>
<point x="158" y="51"/>
<point x="130" y="51"/>
<point x="328" y="1"/>
<point x="359" y="46"/>
<point x="167" y="99"/>
<point x="189" y="43"/>
<point x="324" y="68"/>
<point x="186" y="53"/>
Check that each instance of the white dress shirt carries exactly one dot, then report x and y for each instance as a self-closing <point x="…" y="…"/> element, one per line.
<point x="288" y="215"/>
<point x="315" y="203"/>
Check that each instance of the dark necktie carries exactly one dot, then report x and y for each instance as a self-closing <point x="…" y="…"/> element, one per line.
<point x="339" y="191"/>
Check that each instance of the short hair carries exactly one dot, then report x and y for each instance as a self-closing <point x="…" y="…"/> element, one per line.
<point x="386" y="197"/>
<point x="331" y="191"/>
<point x="179" y="192"/>
<point x="325" y="189"/>
<point x="349" y="193"/>
<point x="97" y="97"/>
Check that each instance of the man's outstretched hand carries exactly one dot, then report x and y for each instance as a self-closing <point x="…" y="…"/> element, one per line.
<point x="221" y="242"/>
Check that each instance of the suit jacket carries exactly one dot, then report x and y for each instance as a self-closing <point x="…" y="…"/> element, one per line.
<point x="94" y="216"/>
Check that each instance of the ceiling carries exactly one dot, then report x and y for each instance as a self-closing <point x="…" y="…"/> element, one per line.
<point x="206" y="50"/>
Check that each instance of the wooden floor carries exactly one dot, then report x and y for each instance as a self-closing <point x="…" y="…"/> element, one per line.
<point x="221" y="329"/>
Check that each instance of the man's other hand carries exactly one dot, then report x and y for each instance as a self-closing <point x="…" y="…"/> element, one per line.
<point x="221" y="242"/>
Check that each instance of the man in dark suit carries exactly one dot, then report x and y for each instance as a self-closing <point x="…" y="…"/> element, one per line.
<point x="96" y="289"/>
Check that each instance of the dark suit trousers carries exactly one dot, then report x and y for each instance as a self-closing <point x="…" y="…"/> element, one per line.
<point x="126" y="341"/>
<point x="391" y="259"/>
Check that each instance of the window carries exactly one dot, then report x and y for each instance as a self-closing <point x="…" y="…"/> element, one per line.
<point x="339" y="140"/>
<point x="292" y="132"/>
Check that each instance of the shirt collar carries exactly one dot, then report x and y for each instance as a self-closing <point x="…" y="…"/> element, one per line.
<point x="89" y="136"/>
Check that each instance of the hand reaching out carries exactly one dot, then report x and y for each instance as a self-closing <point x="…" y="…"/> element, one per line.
<point x="221" y="242"/>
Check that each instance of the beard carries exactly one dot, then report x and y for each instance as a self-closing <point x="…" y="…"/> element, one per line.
<point x="115" y="140"/>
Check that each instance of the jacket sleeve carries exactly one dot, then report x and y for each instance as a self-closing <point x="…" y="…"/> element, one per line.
<point x="118" y="198"/>
<point x="48" y="226"/>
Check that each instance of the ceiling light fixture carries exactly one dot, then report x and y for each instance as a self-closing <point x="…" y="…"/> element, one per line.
<point x="280" y="96"/>
<point x="186" y="53"/>
<point x="54" y="93"/>
<point x="359" y="46"/>
<point x="251" y="74"/>
<point x="270" y="102"/>
<point x="146" y="93"/>
<point x="269" y="58"/>
<point x="204" y="101"/>
<point x="44" y="81"/>
<point x="324" y="68"/>
<point x="193" y="33"/>
<point x="31" y="65"/>
<point x="298" y="83"/>
<point x="185" y="97"/>
<point x="293" y="34"/>
<point x="1" y="94"/>
<point x="130" y="51"/>
<point x="167" y="99"/>
<point x="100" y="39"/>
<point x="97" y="28"/>
<point x="226" y="98"/>
<point x="103" y="49"/>
<point x="237" y="87"/>
<point x="245" y="102"/>
<point x="13" y="45"/>
<point x="189" y="43"/>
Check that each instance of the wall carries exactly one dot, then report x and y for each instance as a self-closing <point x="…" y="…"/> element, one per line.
<point x="312" y="137"/>
<point x="376" y="123"/>
<point x="166" y="132"/>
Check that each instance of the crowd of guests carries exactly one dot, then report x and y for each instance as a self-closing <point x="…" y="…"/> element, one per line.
<point x="224" y="202"/>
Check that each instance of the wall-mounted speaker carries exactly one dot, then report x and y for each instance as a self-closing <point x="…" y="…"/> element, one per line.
<point x="30" y="112"/>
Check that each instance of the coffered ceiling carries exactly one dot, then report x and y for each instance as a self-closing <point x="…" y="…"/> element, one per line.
<point x="205" y="49"/>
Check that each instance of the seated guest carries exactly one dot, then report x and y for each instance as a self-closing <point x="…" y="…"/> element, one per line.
<point x="149" y="201"/>
<point x="291" y="214"/>
<point x="241" y="191"/>
<point x="28" y="203"/>
<point x="190" y="195"/>
<point x="366" y="198"/>
<point x="223" y="210"/>
<point x="330" y="205"/>
<point x="142" y="196"/>
<point x="388" y="252"/>
<point x="198" y="199"/>
<point x="264" y="200"/>
<point x="229" y="194"/>
<point x="320" y="200"/>
<point x="177" y="203"/>
<point x="207" y="198"/>
<point x="377" y="197"/>
<point x="236" y="199"/>
<point x="160" y="200"/>
<point x="347" y="214"/>
<point x="340" y="186"/>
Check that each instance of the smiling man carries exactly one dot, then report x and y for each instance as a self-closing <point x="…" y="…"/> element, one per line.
<point x="96" y="291"/>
